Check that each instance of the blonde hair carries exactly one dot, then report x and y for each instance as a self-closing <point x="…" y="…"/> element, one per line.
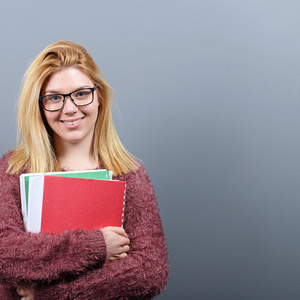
<point x="35" y="152"/>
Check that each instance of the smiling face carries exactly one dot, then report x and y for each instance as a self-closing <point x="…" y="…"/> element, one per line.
<point x="71" y="124"/>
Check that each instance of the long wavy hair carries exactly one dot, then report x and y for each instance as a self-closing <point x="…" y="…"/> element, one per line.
<point x="35" y="151"/>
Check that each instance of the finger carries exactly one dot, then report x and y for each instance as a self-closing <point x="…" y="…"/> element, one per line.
<point x="119" y="256"/>
<point x="27" y="298"/>
<point x="126" y="241"/>
<point x="123" y="255"/>
<point x="122" y="249"/>
<point x="126" y="248"/>
<point x="120" y="231"/>
<point x="20" y="291"/>
<point x="24" y="291"/>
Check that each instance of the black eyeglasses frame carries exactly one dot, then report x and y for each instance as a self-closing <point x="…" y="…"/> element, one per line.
<point x="69" y="95"/>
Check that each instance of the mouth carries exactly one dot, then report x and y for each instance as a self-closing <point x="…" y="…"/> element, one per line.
<point x="72" y="122"/>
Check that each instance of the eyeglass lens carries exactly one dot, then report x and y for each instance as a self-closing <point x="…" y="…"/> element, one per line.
<point x="80" y="98"/>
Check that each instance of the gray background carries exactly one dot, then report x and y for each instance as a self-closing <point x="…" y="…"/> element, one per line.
<point x="208" y="98"/>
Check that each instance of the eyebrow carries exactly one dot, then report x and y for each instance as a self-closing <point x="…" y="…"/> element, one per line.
<point x="51" y="92"/>
<point x="56" y="92"/>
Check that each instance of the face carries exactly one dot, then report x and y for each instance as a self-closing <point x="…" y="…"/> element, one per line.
<point x="71" y="125"/>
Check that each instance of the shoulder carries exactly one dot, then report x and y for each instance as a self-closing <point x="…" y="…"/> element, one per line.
<point x="137" y="182"/>
<point x="4" y="161"/>
<point x="7" y="155"/>
<point x="135" y="176"/>
<point x="6" y="177"/>
<point x="8" y="181"/>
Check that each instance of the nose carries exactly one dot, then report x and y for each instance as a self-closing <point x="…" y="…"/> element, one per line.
<point x="69" y="106"/>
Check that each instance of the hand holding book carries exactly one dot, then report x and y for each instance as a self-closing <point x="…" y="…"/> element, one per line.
<point x="117" y="242"/>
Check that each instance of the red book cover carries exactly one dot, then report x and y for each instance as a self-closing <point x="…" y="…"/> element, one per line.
<point x="70" y="203"/>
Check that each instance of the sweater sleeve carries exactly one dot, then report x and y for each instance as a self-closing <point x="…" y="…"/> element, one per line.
<point x="143" y="273"/>
<point x="28" y="257"/>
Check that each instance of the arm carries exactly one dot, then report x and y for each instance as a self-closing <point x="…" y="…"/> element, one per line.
<point x="27" y="257"/>
<point x="143" y="273"/>
<point x="117" y="247"/>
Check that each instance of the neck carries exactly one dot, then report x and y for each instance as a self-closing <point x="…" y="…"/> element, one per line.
<point x="75" y="156"/>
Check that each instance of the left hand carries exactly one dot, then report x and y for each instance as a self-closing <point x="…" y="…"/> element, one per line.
<point x="117" y="242"/>
<point x="25" y="292"/>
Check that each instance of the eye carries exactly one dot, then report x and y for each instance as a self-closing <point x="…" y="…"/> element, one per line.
<point x="82" y="94"/>
<point x="54" y="98"/>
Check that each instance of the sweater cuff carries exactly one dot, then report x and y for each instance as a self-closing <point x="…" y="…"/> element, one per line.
<point x="97" y="246"/>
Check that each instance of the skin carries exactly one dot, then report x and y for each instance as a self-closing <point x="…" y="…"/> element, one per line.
<point x="25" y="292"/>
<point x="73" y="146"/>
<point x="72" y="139"/>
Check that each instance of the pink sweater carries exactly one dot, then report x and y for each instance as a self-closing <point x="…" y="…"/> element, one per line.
<point x="72" y="265"/>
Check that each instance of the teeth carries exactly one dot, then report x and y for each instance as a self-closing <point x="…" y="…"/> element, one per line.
<point x="72" y="122"/>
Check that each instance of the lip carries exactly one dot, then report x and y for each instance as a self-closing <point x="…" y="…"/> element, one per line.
<point x="72" y="123"/>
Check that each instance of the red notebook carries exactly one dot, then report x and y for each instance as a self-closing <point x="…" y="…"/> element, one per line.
<point x="57" y="204"/>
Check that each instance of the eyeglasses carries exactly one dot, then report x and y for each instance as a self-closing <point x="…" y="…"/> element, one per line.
<point x="79" y="97"/>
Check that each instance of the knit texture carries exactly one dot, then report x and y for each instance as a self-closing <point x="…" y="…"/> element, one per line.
<point x="71" y="265"/>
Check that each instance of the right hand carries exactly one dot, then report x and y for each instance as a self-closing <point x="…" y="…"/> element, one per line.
<point x="25" y="292"/>
<point x="117" y="242"/>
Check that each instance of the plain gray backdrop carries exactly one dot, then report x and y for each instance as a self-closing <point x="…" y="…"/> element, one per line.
<point x="207" y="95"/>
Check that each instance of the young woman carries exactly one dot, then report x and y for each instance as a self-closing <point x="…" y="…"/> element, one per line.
<point x="65" y="123"/>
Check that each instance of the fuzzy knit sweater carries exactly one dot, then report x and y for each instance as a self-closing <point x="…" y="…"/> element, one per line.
<point x="71" y="265"/>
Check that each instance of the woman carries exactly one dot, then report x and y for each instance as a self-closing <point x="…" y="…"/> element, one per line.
<point x="64" y="120"/>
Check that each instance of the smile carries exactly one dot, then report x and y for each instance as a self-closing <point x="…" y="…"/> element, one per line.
<point x="72" y="122"/>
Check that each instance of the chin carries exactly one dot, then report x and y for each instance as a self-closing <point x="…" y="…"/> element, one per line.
<point x="73" y="139"/>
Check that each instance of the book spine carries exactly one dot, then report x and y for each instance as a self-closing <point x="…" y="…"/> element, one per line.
<point x="124" y="205"/>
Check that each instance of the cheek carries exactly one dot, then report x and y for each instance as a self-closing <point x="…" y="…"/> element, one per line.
<point x="93" y="110"/>
<point x="50" y="117"/>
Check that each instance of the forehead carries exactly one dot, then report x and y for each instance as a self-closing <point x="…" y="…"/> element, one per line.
<point x="67" y="80"/>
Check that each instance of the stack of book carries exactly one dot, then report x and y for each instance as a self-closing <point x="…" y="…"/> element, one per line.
<point x="58" y="201"/>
